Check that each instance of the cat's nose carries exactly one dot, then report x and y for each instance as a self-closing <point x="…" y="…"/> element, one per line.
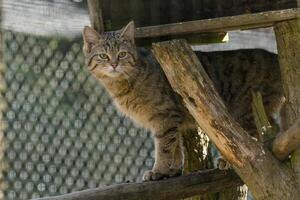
<point x="114" y="65"/>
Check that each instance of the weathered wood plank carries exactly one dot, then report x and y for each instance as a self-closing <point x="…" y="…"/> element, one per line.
<point x="246" y="21"/>
<point x="170" y="189"/>
<point x="265" y="176"/>
<point x="157" y="12"/>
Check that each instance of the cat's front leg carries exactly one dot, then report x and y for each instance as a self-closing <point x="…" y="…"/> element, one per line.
<point x="168" y="156"/>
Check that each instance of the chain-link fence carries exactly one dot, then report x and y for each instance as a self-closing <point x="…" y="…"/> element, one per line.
<point x="62" y="132"/>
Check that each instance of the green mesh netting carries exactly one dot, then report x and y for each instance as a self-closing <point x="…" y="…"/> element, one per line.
<point x="61" y="132"/>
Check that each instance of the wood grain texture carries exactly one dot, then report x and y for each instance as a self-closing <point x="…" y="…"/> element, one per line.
<point x="288" y="45"/>
<point x="287" y="142"/>
<point x="223" y="24"/>
<point x="254" y="164"/>
<point x="95" y="12"/>
<point x="264" y="128"/>
<point x="170" y="189"/>
<point x="156" y="12"/>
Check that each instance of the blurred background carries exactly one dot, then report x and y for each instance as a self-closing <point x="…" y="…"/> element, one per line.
<point x="59" y="130"/>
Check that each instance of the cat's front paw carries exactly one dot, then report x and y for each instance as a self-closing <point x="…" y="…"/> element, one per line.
<point x="153" y="175"/>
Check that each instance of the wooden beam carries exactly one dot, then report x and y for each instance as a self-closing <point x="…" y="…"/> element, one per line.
<point x="95" y="11"/>
<point x="155" y="12"/>
<point x="252" y="162"/>
<point x="198" y="183"/>
<point x="54" y="22"/>
<point x="223" y="24"/>
<point x="288" y="45"/>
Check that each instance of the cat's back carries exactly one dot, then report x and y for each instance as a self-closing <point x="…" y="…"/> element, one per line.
<point x="236" y="73"/>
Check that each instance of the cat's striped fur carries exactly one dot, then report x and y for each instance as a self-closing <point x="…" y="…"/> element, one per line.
<point x="236" y="73"/>
<point x="141" y="91"/>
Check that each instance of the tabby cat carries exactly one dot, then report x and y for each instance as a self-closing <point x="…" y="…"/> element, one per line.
<point x="141" y="91"/>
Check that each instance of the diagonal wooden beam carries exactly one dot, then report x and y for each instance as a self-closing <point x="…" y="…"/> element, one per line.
<point x="265" y="176"/>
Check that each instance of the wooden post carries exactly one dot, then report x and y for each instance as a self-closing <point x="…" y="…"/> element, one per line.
<point x="197" y="157"/>
<point x="288" y="45"/>
<point x="95" y="11"/>
<point x="265" y="176"/>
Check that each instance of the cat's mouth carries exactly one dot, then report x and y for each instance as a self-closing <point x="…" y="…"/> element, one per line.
<point x="114" y="72"/>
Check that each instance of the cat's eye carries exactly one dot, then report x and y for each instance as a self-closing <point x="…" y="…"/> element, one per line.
<point x="103" y="56"/>
<point x="122" y="54"/>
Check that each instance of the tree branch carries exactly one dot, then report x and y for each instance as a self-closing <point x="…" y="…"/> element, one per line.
<point x="287" y="142"/>
<point x="284" y="143"/>
<point x="249" y="158"/>
<point x="197" y="183"/>
<point x="262" y="123"/>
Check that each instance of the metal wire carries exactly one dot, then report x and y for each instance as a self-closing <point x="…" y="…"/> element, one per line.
<point x="62" y="133"/>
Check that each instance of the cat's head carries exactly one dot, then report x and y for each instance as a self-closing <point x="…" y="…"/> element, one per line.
<point x="110" y="55"/>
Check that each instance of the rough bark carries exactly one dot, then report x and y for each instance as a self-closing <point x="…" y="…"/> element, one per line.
<point x="197" y="152"/>
<point x="235" y="193"/>
<point x="171" y="189"/>
<point x="197" y="157"/>
<point x="287" y="142"/>
<point x="288" y="45"/>
<point x="264" y="128"/>
<point x="255" y="165"/>
<point x="95" y="12"/>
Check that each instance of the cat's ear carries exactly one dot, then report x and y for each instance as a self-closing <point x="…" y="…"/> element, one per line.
<point x="128" y="32"/>
<point x="90" y="38"/>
